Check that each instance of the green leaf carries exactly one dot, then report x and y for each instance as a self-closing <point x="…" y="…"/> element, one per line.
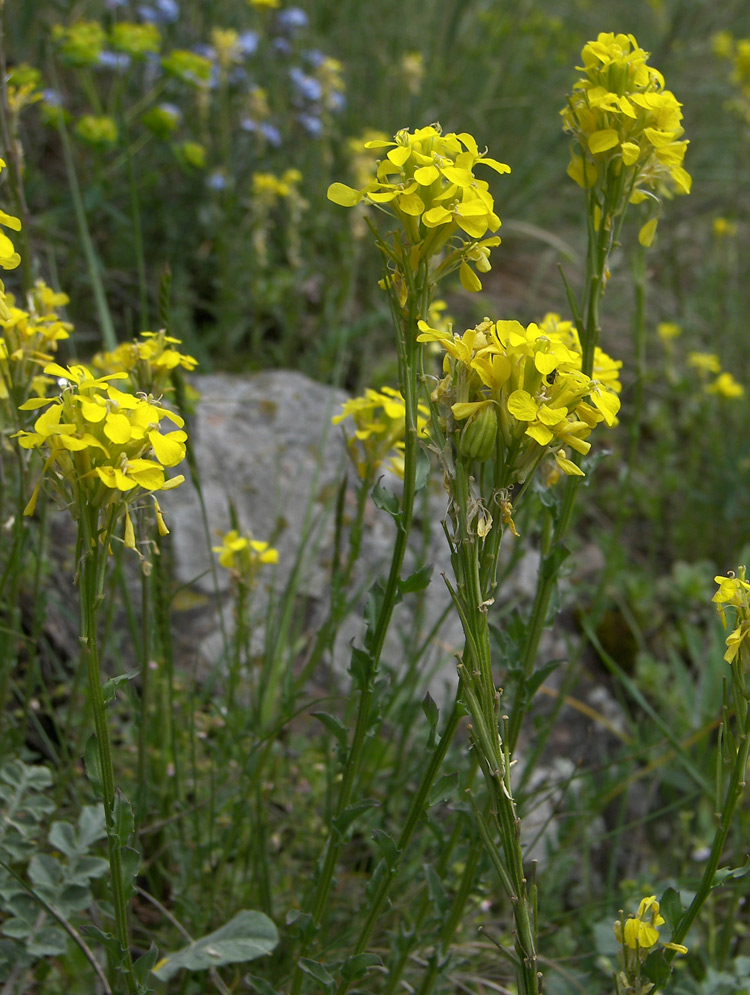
<point x="50" y="941"/>
<point x="656" y="968"/>
<point x="347" y="817"/>
<point x="418" y="581"/>
<point x="109" y="688"/>
<point x="540" y="676"/>
<point x="303" y="924"/>
<point x="354" y="967"/>
<point x="246" y="936"/>
<point x="131" y="861"/>
<point x="443" y="788"/>
<point x="360" y="668"/>
<point x="93" y="765"/>
<point x="122" y="815"/>
<point x="389" y="850"/>
<point x="259" y="986"/>
<point x="385" y="500"/>
<point x="430" y="709"/>
<point x="334" y="726"/>
<point x="144" y="965"/>
<point x="670" y="906"/>
<point x="727" y="873"/>
<point x="423" y="469"/>
<point x="316" y="970"/>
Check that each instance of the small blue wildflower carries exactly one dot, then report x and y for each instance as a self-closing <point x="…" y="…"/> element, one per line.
<point x="113" y="60"/>
<point x="271" y="134"/>
<point x="114" y="4"/>
<point x="282" y="46"/>
<point x="159" y="11"/>
<point x="311" y="124"/>
<point x="292" y="19"/>
<point x="238" y="76"/>
<point x="247" y="43"/>
<point x="336" y="101"/>
<point x="315" y="57"/>
<point x="307" y="86"/>
<point x="216" y="180"/>
<point x="52" y="97"/>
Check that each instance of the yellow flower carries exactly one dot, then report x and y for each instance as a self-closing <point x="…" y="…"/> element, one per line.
<point x="734" y="591"/>
<point x="725" y="386"/>
<point x="99" y="131"/>
<point x="243" y="555"/>
<point x="426" y="180"/>
<point x="641" y="931"/>
<point x="265" y="4"/>
<point x="189" y="67"/>
<point x="530" y="379"/>
<point x="81" y="44"/>
<point x="668" y="330"/>
<point x="704" y="362"/>
<point x="380" y="419"/>
<point x="627" y="128"/>
<point x="136" y="40"/>
<point x="724" y="228"/>
<point x="102" y="447"/>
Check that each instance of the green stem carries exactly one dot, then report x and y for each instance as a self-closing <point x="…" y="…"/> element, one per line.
<point x="91" y="594"/>
<point x="406" y="325"/>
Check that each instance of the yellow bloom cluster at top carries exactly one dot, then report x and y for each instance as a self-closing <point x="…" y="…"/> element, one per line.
<point x="148" y="361"/>
<point x="103" y="447"/>
<point x="268" y="188"/>
<point x="243" y="555"/>
<point x="82" y="43"/>
<point x="737" y="52"/>
<point x="627" y="128"/>
<point x="518" y="393"/>
<point x="640" y="932"/>
<point x="29" y="340"/>
<point x="9" y="258"/>
<point x="734" y="591"/>
<point x="380" y="417"/>
<point x="725" y="384"/>
<point x="426" y="179"/>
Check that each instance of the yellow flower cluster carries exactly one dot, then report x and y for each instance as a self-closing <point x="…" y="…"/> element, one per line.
<point x="24" y="87"/>
<point x="9" y="258"/>
<point x="98" y="130"/>
<point x="725" y="384"/>
<point x="268" y="188"/>
<point x="148" y="362"/>
<point x="737" y="53"/>
<point x="627" y="128"/>
<point x="734" y="591"/>
<point x="516" y="393"/>
<point x="29" y="340"/>
<point x="426" y="180"/>
<point x="380" y="417"/>
<point x="641" y="931"/>
<point x="243" y="555"/>
<point x="103" y="447"/>
<point x="83" y="43"/>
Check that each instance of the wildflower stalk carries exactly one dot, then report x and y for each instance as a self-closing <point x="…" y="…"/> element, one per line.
<point x="93" y="568"/>
<point x="418" y="301"/>
<point x="735" y="788"/>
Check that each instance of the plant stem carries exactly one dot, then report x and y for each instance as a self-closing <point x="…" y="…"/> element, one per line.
<point x="91" y="593"/>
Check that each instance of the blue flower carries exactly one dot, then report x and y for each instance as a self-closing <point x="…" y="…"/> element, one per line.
<point x="113" y="60"/>
<point x="292" y="19"/>
<point x="271" y="134"/>
<point x="311" y="124"/>
<point x="307" y="86"/>
<point x="247" y="43"/>
<point x="216" y="180"/>
<point x="160" y="12"/>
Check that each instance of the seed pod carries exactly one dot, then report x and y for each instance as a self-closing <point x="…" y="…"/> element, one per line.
<point x="477" y="441"/>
